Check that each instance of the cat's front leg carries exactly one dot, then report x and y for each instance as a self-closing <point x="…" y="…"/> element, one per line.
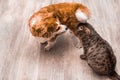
<point x="79" y="43"/>
<point x="50" y="43"/>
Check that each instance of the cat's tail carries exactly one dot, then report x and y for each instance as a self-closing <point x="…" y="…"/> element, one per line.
<point x="82" y="14"/>
<point x="114" y="76"/>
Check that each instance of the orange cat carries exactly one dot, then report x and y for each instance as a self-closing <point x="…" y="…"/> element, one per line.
<point x="53" y="20"/>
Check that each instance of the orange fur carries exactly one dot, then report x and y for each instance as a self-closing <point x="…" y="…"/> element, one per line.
<point x="46" y="18"/>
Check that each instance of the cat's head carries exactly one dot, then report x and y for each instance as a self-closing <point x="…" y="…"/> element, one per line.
<point x="84" y="29"/>
<point x="44" y="24"/>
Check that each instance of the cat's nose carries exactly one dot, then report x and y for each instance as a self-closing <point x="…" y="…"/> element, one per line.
<point x="66" y="28"/>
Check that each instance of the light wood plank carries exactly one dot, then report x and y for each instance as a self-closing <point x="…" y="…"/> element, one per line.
<point x="22" y="57"/>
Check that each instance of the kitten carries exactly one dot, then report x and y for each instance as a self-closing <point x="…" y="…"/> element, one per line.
<point x="97" y="51"/>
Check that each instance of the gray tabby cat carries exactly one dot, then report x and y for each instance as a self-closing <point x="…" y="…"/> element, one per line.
<point x="97" y="51"/>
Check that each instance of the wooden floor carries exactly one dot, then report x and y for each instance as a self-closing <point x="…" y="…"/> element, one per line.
<point x="23" y="58"/>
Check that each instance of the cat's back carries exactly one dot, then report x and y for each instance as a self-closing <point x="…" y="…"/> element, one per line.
<point x="60" y="6"/>
<point x="101" y="57"/>
<point x="67" y="6"/>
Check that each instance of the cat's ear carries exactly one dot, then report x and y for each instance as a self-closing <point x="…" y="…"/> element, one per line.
<point x="87" y="30"/>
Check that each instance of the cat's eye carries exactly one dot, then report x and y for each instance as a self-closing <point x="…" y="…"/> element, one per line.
<point x="81" y="28"/>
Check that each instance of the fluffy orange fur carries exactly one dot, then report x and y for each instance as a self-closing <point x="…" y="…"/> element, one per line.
<point x="43" y="23"/>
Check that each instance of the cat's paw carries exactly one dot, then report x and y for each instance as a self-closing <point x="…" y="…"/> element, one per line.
<point x="84" y="57"/>
<point x="47" y="48"/>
